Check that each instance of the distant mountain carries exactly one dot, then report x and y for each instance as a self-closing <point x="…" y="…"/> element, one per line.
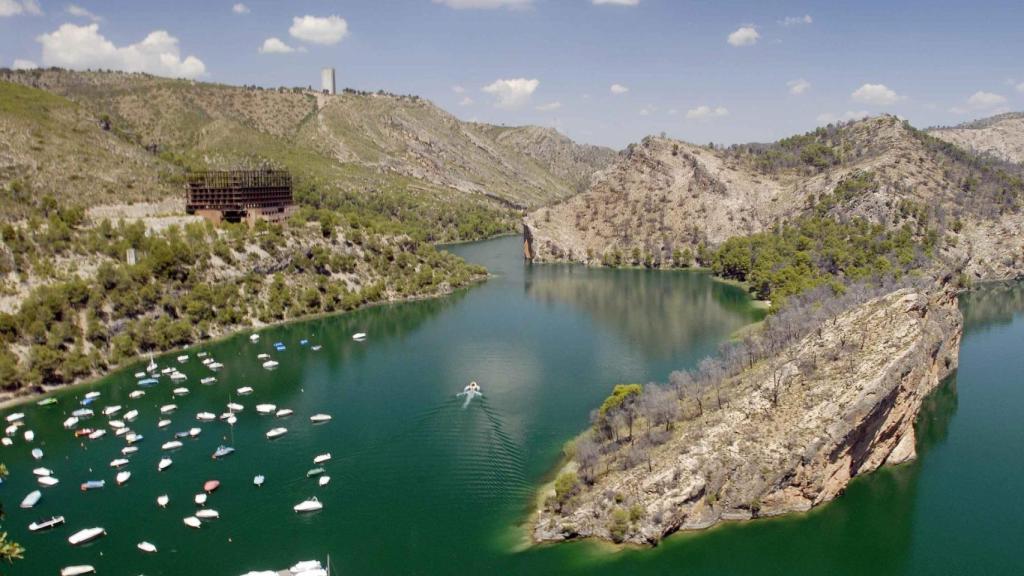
<point x="1002" y="136"/>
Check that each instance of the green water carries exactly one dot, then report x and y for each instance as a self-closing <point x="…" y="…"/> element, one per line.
<point x="422" y="485"/>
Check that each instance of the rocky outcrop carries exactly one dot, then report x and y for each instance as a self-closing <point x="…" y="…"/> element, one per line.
<point x="1001" y="136"/>
<point x="792" y="433"/>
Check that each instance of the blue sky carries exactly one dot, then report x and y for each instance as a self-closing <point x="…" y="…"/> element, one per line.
<point x="721" y="71"/>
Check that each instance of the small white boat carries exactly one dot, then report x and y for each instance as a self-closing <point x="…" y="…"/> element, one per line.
<point x="200" y="499"/>
<point x="29" y="436"/>
<point x="324" y="480"/>
<point x="305" y="566"/>
<point x="167" y="370"/>
<point x="32" y="499"/>
<point x="71" y="422"/>
<point x="92" y="395"/>
<point x="168" y="408"/>
<point x="254" y="338"/>
<point x="265" y="408"/>
<point x="162" y="501"/>
<point x="132" y="438"/>
<point x="77" y="570"/>
<point x="172" y="445"/>
<point x="283" y="412"/>
<point x="208" y="380"/>
<point x="178" y="376"/>
<point x="129" y="450"/>
<point x="359" y="336"/>
<point x="270" y="364"/>
<point x="215" y="366"/>
<point x="163" y="424"/>
<point x="87" y="535"/>
<point x="207" y="361"/>
<point x="322" y="458"/>
<point x="111" y="410"/>
<point x="193" y="522"/>
<point x="46" y="524"/>
<point x="263" y="356"/>
<point x="244" y="391"/>
<point x="83" y="413"/>
<point x="118" y="462"/>
<point x="316" y="348"/>
<point x="97" y="434"/>
<point x="37" y="454"/>
<point x="12" y="429"/>
<point x="140" y="375"/>
<point x="206" y="417"/>
<point x="235" y="407"/>
<point x="136" y="394"/>
<point x="131" y="415"/>
<point x="47" y="481"/>
<point x="194" y="432"/>
<point x="202" y="354"/>
<point x="164" y="464"/>
<point x="208" y="514"/>
<point x="231" y="419"/>
<point x="183" y="358"/>
<point x="182" y="391"/>
<point x="115" y="424"/>
<point x="258" y="480"/>
<point x="42" y="471"/>
<point x="146" y="547"/>
<point x="276" y="433"/>
<point x="311" y="505"/>
<point x="6" y="441"/>
<point x="121" y="431"/>
<point x="320" y="418"/>
<point x="123" y="477"/>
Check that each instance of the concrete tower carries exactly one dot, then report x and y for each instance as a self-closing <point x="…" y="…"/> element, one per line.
<point x="327" y="80"/>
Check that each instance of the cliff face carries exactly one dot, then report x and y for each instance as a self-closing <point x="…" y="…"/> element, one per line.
<point x="1001" y="136"/>
<point x="792" y="433"/>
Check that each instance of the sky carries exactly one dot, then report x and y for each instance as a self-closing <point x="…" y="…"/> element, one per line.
<point x="606" y="72"/>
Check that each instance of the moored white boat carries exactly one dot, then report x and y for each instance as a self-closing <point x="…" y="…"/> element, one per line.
<point x="206" y="416"/>
<point x="276" y="433"/>
<point x="71" y="422"/>
<point x="168" y="408"/>
<point x="359" y="336"/>
<point x="37" y="454"/>
<point x="111" y="410"/>
<point x="194" y="432"/>
<point x="284" y="412"/>
<point x="47" y="481"/>
<point x="208" y="514"/>
<point x="6" y="441"/>
<point x="163" y="423"/>
<point x="244" y="390"/>
<point x="263" y="356"/>
<point x="324" y="480"/>
<point x="129" y="450"/>
<point x="146" y="547"/>
<point x="46" y="524"/>
<point x="320" y="459"/>
<point x="86" y="535"/>
<point x="183" y="358"/>
<point x="97" y="434"/>
<point x="162" y="500"/>
<point x="131" y="415"/>
<point x="254" y="338"/>
<point x="140" y="375"/>
<point x="31" y="499"/>
<point x="311" y="505"/>
<point x="122" y="477"/>
<point x="258" y="480"/>
<point x="136" y="394"/>
<point x="222" y="451"/>
<point x="235" y="407"/>
<point x="193" y="522"/>
<point x="320" y="418"/>
<point x="83" y="413"/>
<point x="265" y="408"/>
<point x="115" y="424"/>
<point x="178" y="376"/>
<point x="172" y="445"/>
<point x="215" y="366"/>
<point x="77" y="570"/>
<point x="29" y="435"/>
<point x="181" y="391"/>
<point x="208" y="380"/>
<point x="270" y="364"/>
<point x="164" y="464"/>
<point x="117" y="463"/>
<point x="200" y="499"/>
<point x="132" y="438"/>
<point x="41" y="471"/>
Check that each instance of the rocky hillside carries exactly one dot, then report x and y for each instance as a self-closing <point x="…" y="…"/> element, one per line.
<point x="353" y="141"/>
<point x="791" y="432"/>
<point x="1001" y="136"/>
<point x="665" y="197"/>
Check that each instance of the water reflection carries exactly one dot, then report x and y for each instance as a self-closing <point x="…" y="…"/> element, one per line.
<point x="991" y="305"/>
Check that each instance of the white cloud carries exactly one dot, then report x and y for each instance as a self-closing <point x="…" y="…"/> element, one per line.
<point x="512" y="93"/>
<point x="797" y="20"/>
<point x="875" y="95"/>
<point x="706" y="113"/>
<point x="1020" y="87"/>
<point x="240" y="8"/>
<point x="275" y="45"/>
<point x="982" y="100"/>
<point x="80" y="47"/>
<point x="15" y="8"/>
<point x="79" y="12"/>
<point x="21" y="64"/>
<point x="618" y="89"/>
<point x="549" y="107"/>
<point x="616" y="2"/>
<point x="830" y="118"/>
<point x="466" y="101"/>
<point x="458" y="89"/>
<point x="648" y="110"/>
<point x="325" y="30"/>
<point x="798" y="86"/>
<point x="484" y="4"/>
<point x="744" y="36"/>
<point x="673" y="112"/>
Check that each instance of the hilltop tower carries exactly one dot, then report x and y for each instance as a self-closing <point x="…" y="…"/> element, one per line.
<point x="327" y="80"/>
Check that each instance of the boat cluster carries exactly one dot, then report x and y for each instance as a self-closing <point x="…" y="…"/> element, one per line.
<point x="118" y="424"/>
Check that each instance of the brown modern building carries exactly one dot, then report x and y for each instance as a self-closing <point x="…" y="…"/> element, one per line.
<point x="239" y="195"/>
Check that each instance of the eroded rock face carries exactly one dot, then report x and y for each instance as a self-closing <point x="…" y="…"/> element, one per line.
<point x="765" y="454"/>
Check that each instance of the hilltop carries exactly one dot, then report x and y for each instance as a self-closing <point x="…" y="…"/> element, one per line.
<point x="1001" y="136"/>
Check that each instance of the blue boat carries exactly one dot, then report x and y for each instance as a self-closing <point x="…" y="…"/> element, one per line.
<point x="147" y="382"/>
<point x="93" y="484"/>
<point x="87" y="401"/>
<point x="276" y="344"/>
<point x="222" y="451"/>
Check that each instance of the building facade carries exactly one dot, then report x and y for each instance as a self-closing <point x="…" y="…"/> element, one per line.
<point x="239" y="195"/>
<point x="327" y="80"/>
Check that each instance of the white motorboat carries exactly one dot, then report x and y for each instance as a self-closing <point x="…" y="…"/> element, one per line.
<point x="200" y="499"/>
<point x="6" y="441"/>
<point x="121" y="431"/>
<point x="471" y="387"/>
<point x="316" y="348"/>
<point x="168" y="408"/>
<point x="254" y="338"/>
<point x="324" y="480"/>
<point x="265" y="408"/>
<point x="46" y="524"/>
<point x="305" y="566"/>
<point x="164" y="464"/>
<point x="97" y="434"/>
<point x="235" y="407"/>
<point x="172" y="445"/>
<point x="111" y="410"/>
<point x="83" y="413"/>
<point x="178" y="376"/>
<point x="136" y="394"/>
<point x="322" y="458"/>
<point x="37" y="454"/>
<point x="42" y="471"/>
<point x="208" y="380"/>
<point x="263" y="356"/>
<point x="244" y="391"/>
<point x="359" y="336"/>
<point x="32" y="499"/>
<point x="194" y="432"/>
<point x="152" y="367"/>
<point x="167" y="370"/>
<point x="129" y="450"/>
<point x="146" y="547"/>
<point x="122" y="477"/>
<point x="118" y="462"/>
<point x="115" y="424"/>
<point x="182" y="391"/>
<point x="206" y="417"/>
<point x="311" y="505"/>
<point x="258" y="480"/>
<point x="77" y="570"/>
<point x="276" y="433"/>
<point x="183" y="358"/>
<point x="162" y="501"/>
<point x="47" y="481"/>
<point x="71" y="422"/>
<point x="29" y="435"/>
<point x="92" y="395"/>
<point x="131" y="415"/>
<point x="140" y="375"/>
<point x="86" y="535"/>
<point x="12" y="429"/>
<point x="202" y="354"/>
<point x="132" y="438"/>
<point x="193" y="522"/>
<point x="163" y="423"/>
<point x="270" y="364"/>
<point x="207" y="514"/>
<point x="206" y="361"/>
<point x="231" y="419"/>
<point x="215" y="366"/>
<point x="283" y="412"/>
<point x="320" y="418"/>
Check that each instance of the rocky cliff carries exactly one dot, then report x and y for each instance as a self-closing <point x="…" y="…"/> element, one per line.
<point x="1001" y="136"/>
<point x="791" y="434"/>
